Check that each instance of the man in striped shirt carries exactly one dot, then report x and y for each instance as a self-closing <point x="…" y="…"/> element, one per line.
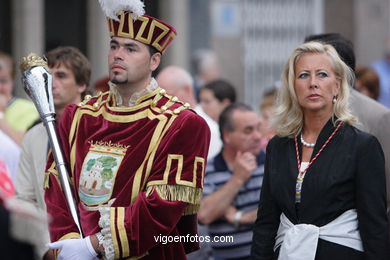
<point x="232" y="184"/>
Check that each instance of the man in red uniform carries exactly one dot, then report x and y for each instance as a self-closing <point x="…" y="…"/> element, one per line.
<point x="135" y="154"/>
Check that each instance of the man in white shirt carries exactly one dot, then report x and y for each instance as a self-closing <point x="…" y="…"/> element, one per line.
<point x="178" y="82"/>
<point x="71" y="72"/>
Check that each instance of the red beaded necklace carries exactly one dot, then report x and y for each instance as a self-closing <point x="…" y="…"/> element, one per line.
<point x="301" y="174"/>
<point x="318" y="153"/>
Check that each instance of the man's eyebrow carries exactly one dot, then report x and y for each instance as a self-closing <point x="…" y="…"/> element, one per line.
<point x="113" y="41"/>
<point x="130" y="44"/>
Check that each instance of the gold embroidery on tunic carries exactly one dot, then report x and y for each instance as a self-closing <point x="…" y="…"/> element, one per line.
<point x="113" y="232"/>
<point x="190" y="195"/>
<point x="151" y="158"/>
<point x="122" y="232"/>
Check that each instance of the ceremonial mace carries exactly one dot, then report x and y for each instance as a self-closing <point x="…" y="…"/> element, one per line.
<point x="38" y="85"/>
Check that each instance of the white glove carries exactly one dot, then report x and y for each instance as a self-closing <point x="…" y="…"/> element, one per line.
<point x="74" y="249"/>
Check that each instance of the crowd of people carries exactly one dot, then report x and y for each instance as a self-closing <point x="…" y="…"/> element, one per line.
<point x="305" y="178"/>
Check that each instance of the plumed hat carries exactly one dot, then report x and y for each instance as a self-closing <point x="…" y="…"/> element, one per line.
<point x="126" y="18"/>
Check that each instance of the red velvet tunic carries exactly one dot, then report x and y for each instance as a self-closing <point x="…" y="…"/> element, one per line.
<point x="143" y="164"/>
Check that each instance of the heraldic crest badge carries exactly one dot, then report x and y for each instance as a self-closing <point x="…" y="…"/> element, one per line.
<point x="99" y="171"/>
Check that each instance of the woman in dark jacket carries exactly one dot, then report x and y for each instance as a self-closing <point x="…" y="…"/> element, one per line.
<point x="323" y="193"/>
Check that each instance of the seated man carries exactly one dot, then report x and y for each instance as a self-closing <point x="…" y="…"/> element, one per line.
<point x="232" y="183"/>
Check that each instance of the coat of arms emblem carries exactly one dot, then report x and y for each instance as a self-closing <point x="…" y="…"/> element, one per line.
<point x="99" y="171"/>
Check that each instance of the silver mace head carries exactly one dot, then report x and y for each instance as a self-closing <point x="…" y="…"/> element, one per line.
<point x="38" y="85"/>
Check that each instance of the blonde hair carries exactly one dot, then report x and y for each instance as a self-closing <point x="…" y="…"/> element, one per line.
<point x="288" y="115"/>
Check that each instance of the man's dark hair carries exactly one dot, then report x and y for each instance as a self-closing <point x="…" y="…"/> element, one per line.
<point x="343" y="46"/>
<point x="222" y="90"/>
<point x="74" y="60"/>
<point x="152" y="50"/>
<point x="225" y="119"/>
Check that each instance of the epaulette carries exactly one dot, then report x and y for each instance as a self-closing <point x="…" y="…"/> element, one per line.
<point x="165" y="103"/>
<point x="93" y="101"/>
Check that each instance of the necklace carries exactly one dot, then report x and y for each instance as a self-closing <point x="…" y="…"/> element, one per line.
<point x="306" y="143"/>
<point x="301" y="174"/>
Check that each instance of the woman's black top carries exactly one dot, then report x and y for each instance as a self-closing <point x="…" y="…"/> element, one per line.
<point x="348" y="174"/>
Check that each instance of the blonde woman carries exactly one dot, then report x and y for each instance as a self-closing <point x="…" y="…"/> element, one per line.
<point x="323" y="194"/>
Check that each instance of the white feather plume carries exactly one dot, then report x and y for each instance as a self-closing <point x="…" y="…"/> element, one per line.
<point x="112" y="7"/>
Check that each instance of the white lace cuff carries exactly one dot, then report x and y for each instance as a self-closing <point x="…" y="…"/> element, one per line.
<point x="104" y="224"/>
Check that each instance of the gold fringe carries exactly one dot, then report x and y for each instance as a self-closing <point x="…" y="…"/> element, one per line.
<point x="190" y="195"/>
<point x="177" y="193"/>
<point x="191" y="209"/>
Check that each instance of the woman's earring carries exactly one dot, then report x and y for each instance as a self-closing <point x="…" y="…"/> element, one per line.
<point x="334" y="100"/>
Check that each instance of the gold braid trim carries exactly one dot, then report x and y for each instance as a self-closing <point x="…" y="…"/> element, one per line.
<point x="46" y="180"/>
<point x="109" y="144"/>
<point x="51" y="170"/>
<point x="177" y="111"/>
<point x="190" y="195"/>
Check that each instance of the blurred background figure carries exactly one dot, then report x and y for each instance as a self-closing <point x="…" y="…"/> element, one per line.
<point x="232" y="184"/>
<point x="382" y="68"/>
<point x="9" y="154"/>
<point x="266" y="109"/>
<point x="206" y="68"/>
<point x="215" y="96"/>
<point x="178" y="82"/>
<point x="16" y="114"/>
<point x="71" y="73"/>
<point x="15" y="218"/>
<point x="367" y="82"/>
<point x="10" y="247"/>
